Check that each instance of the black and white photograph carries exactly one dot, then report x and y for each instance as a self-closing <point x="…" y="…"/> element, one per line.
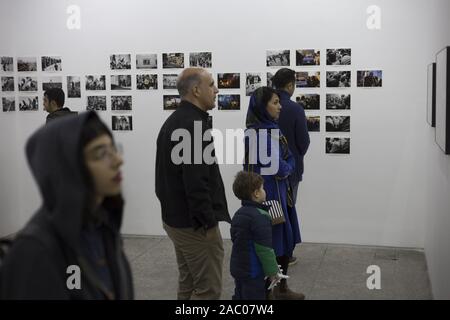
<point x="278" y="58"/>
<point x="313" y="123"/>
<point x="73" y="87"/>
<point x="25" y="64"/>
<point x="120" y="61"/>
<point x="338" y="79"/>
<point x="95" y="82"/>
<point x="229" y="102"/>
<point x="306" y="79"/>
<point x="121" y="82"/>
<point x="147" y="81"/>
<point x="28" y="84"/>
<point x="7" y="84"/>
<point x="307" y="57"/>
<point x="338" y="123"/>
<point x="9" y="104"/>
<point x="170" y="81"/>
<point x="252" y="82"/>
<point x="338" y="101"/>
<point x="309" y="101"/>
<point x="122" y="123"/>
<point x="173" y="60"/>
<point x="50" y="63"/>
<point x="121" y="103"/>
<point x="228" y="80"/>
<point x="51" y="82"/>
<point x="337" y="145"/>
<point x="369" y="78"/>
<point x="29" y="103"/>
<point x="147" y="61"/>
<point x="339" y="57"/>
<point x="171" y="102"/>
<point x="7" y="64"/>
<point x="200" y="59"/>
<point x="97" y="103"/>
<point x="269" y="79"/>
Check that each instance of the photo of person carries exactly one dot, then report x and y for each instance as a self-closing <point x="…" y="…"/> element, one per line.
<point x="369" y="78"/>
<point x="269" y="79"/>
<point x="146" y="61"/>
<point x="200" y="59"/>
<point x="9" y="104"/>
<point x="95" y="82"/>
<point x="338" y="123"/>
<point x="307" y="57"/>
<point x="25" y="64"/>
<point x="229" y="102"/>
<point x="171" y="102"/>
<point x="228" y="80"/>
<point x="339" y="57"/>
<point x="309" y="101"/>
<point x="51" y="63"/>
<point x="278" y="58"/>
<point x="307" y="79"/>
<point x="7" y="84"/>
<point x="338" y="79"/>
<point x="7" y="64"/>
<point x="121" y="82"/>
<point x="28" y="84"/>
<point x="97" y="103"/>
<point x="313" y="123"/>
<point x="51" y="82"/>
<point x="173" y="60"/>
<point x="73" y="87"/>
<point x="170" y="81"/>
<point x="252" y="82"/>
<point x="122" y="123"/>
<point x="338" y="101"/>
<point x="120" y="61"/>
<point x="29" y="103"/>
<point x="337" y="145"/>
<point x="121" y="103"/>
<point x="147" y="81"/>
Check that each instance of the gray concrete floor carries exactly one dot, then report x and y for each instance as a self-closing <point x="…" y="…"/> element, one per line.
<point x="322" y="271"/>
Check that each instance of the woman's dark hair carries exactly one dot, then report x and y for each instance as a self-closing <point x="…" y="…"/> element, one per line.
<point x="267" y="94"/>
<point x="92" y="129"/>
<point x="283" y="77"/>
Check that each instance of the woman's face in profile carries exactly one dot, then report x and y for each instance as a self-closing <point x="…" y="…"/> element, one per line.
<point x="274" y="107"/>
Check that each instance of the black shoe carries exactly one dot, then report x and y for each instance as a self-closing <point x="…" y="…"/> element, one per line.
<point x="292" y="260"/>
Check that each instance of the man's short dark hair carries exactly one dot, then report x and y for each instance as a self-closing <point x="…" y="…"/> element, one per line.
<point x="55" y="94"/>
<point x="283" y="77"/>
<point x="246" y="183"/>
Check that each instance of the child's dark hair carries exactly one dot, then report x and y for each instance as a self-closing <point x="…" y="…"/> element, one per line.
<point x="245" y="184"/>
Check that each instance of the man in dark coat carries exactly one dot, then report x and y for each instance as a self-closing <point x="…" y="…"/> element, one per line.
<point x="190" y="188"/>
<point x="54" y="104"/>
<point x="71" y="248"/>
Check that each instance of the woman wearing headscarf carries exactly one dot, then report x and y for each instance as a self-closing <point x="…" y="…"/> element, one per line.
<point x="262" y="115"/>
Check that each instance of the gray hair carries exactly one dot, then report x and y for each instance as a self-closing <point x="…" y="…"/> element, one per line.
<point x="186" y="83"/>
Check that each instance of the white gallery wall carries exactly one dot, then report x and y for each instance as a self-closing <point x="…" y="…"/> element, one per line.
<point x="383" y="193"/>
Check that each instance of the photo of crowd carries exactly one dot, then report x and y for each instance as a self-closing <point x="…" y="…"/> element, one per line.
<point x="171" y="102"/>
<point x="278" y="58"/>
<point x="307" y="57"/>
<point x="122" y="123"/>
<point x="338" y="101"/>
<point x="313" y="123"/>
<point x="121" y="103"/>
<point x="146" y="61"/>
<point x="337" y="145"/>
<point x="338" y="79"/>
<point x="173" y="60"/>
<point x="307" y="79"/>
<point x="252" y="82"/>
<point x="309" y="101"/>
<point x="9" y="104"/>
<point x="228" y="80"/>
<point x="369" y="78"/>
<point x="170" y="81"/>
<point x="120" y="61"/>
<point x="200" y="59"/>
<point x="51" y="82"/>
<point x="7" y="84"/>
<point x="121" y="82"/>
<point x="339" y="57"/>
<point x="25" y="64"/>
<point x="51" y="63"/>
<point x="95" y="83"/>
<point x="97" y="103"/>
<point x="28" y="84"/>
<point x="147" y="81"/>
<point x="7" y="64"/>
<point x="29" y="103"/>
<point x="338" y="123"/>
<point x="73" y="87"/>
<point x="229" y="102"/>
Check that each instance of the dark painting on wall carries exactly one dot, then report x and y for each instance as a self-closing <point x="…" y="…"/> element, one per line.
<point x="443" y="99"/>
<point x="431" y="94"/>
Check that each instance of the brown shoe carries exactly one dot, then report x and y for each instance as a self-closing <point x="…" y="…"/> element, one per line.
<point x="282" y="292"/>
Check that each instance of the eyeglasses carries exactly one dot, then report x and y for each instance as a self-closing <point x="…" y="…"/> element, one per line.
<point x="107" y="153"/>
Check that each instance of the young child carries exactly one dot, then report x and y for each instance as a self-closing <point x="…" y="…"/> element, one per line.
<point x="252" y="256"/>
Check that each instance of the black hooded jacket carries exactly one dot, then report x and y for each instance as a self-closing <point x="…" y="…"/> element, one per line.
<point x="36" y="267"/>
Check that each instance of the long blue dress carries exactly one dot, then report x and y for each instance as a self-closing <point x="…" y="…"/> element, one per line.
<point x="286" y="235"/>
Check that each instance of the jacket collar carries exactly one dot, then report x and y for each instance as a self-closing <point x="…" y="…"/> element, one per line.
<point x="284" y="95"/>
<point x="187" y="104"/>
<point x="251" y="203"/>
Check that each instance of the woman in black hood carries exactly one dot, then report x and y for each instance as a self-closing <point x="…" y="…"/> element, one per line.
<point x="71" y="248"/>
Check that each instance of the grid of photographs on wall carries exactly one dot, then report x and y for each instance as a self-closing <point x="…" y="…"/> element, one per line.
<point x="7" y="64"/>
<point x="7" y="84"/>
<point x="51" y="82"/>
<point x="96" y="103"/>
<point x="307" y="57"/>
<point x="120" y="61"/>
<point x="121" y="103"/>
<point x="73" y="87"/>
<point x="278" y="58"/>
<point x="95" y="83"/>
<point x="170" y="81"/>
<point x="121" y="82"/>
<point x="171" y="101"/>
<point x="173" y="60"/>
<point x="28" y="103"/>
<point x="200" y="59"/>
<point x="229" y="102"/>
<point x="28" y="84"/>
<point x="147" y="81"/>
<point x="49" y="63"/>
<point x="26" y="64"/>
<point x="229" y="80"/>
<point x="252" y="82"/>
<point x="339" y="57"/>
<point x="122" y="123"/>
<point x="313" y="123"/>
<point x="305" y="79"/>
<point x="337" y="101"/>
<point x="8" y="104"/>
<point x="147" y="61"/>
<point x="369" y="78"/>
